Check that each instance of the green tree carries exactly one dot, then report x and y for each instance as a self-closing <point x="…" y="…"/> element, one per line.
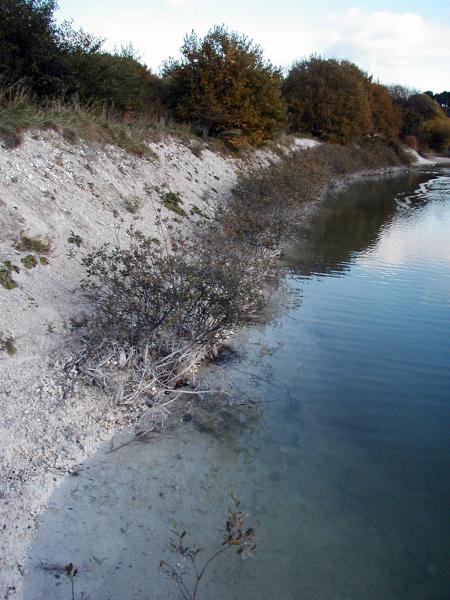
<point x="328" y="98"/>
<point x="29" y="48"/>
<point x="56" y="60"/>
<point x="120" y="80"/>
<point x="223" y="84"/>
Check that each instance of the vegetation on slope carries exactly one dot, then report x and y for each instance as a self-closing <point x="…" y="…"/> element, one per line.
<point x="220" y="86"/>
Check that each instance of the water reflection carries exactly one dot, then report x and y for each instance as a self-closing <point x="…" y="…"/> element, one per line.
<point x="349" y="223"/>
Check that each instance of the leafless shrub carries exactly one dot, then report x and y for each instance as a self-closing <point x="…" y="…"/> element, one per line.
<point x="158" y="309"/>
<point x="237" y="536"/>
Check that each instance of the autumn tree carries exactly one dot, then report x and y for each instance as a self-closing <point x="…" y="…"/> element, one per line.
<point x="436" y="133"/>
<point x="222" y="84"/>
<point x="328" y="98"/>
<point x="386" y="115"/>
<point x="424" y="119"/>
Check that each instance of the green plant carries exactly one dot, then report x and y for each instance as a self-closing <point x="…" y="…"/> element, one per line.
<point x="29" y="261"/>
<point x="237" y="536"/>
<point x="32" y="244"/>
<point x="43" y="260"/>
<point x="8" y="345"/>
<point x="133" y="204"/>
<point x="20" y="111"/>
<point x="75" y="239"/>
<point x="172" y="201"/>
<point x="6" y="271"/>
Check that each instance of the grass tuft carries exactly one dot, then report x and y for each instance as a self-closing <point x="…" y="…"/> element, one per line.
<point x="32" y="244"/>
<point x="172" y="201"/>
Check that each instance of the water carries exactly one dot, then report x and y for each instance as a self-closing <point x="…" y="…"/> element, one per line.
<point x="344" y="466"/>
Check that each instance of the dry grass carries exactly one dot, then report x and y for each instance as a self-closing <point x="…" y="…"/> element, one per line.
<point x="20" y="112"/>
<point x="28" y="243"/>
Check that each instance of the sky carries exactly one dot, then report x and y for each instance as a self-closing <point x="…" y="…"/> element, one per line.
<point x="406" y="42"/>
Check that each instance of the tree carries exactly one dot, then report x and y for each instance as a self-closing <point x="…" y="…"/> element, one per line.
<point x="417" y="109"/>
<point x="386" y="115"/>
<point x="223" y="84"/>
<point x="443" y="99"/>
<point x="436" y="133"/>
<point x="328" y="98"/>
<point x="120" y="80"/>
<point x="29" y="47"/>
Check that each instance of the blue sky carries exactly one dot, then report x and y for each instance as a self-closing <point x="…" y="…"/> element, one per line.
<point x="398" y="41"/>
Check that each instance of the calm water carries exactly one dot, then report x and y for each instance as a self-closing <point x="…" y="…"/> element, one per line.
<point x="346" y="464"/>
<point x="356" y="440"/>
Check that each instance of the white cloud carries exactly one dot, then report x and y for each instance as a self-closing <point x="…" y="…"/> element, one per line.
<point x="395" y="47"/>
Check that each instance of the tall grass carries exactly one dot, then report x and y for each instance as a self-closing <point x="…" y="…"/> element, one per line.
<point x="19" y="111"/>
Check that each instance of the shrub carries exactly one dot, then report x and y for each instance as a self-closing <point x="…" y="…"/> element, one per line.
<point x="29" y="261"/>
<point x="223" y="85"/>
<point x="328" y="98"/>
<point x="118" y="81"/>
<point x="266" y="205"/>
<point x="6" y="271"/>
<point x="75" y="239"/>
<point x="159" y="309"/>
<point x="411" y="141"/>
<point x="133" y="204"/>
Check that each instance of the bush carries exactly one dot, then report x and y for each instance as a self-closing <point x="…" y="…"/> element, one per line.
<point x="160" y="308"/>
<point x="223" y="86"/>
<point x="329" y="99"/>
<point x="266" y="206"/>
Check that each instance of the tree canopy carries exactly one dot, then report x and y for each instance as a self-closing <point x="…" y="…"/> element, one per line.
<point x="328" y="98"/>
<point x="57" y="60"/>
<point x="223" y="84"/>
